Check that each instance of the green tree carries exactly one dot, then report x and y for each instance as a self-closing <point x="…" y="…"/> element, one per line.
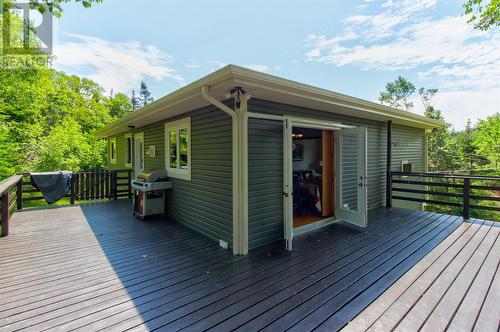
<point x="468" y="150"/>
<point x="65" y="147"/>
<point x="44" y="111"/>
<point x="397" y="94"/>
<point x="119" y="105"/>
<point x="438" y="145"/>
<point x="144" y="94"/>
<point x="54" y="6"/>
<point x="134" y="101"/>
<point x="483" y="16"/>
<point x="426" y="96"/>
<point x="487" y="139"/>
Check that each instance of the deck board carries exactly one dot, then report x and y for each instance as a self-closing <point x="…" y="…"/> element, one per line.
<point x="95" y="267"/>
<point x="453" y="287"/>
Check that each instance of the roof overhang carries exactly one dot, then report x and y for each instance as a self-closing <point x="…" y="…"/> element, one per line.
<point x="262" y="86"/>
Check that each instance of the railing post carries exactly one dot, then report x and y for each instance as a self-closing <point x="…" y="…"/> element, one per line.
<point x="5" y="213"/>
<point x="114" y="185"/>
<point x="19" y="194"/>
<point x="466" y="201"/>
<point x="72" y="189"/>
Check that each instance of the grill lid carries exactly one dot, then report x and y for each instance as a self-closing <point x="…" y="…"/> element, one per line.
<point x="152" y="175"/>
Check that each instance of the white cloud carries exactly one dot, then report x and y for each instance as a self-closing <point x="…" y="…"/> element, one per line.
<point x="114" y="65"/>
<point x="257" y="67"/>
<point x="217" y="63"/>
<point x="388" y="4"/>
<point x="446" y="52"/>
<point x="460" y="105"/>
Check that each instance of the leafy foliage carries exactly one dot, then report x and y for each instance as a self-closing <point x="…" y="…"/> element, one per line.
<point x="135" y="101"/>
<point x="48" y="120"/>
<point x="53" y="6"/>
<point x="144" y="94"/>
<point x="487" y="139"/>
<point x="474" y="150"/>
<point x="397" y="94"/>
<point x="484" y="17"/>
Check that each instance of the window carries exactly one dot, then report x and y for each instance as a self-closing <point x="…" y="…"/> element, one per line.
<point x="112" y="150"/>
<point x="178" y="148"/>
<point x="128" y="158"/>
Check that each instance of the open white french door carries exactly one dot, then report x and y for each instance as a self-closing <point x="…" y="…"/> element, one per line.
<point x="350" y="170"/>
<point x="287" y="183"/>
<point x="139" y="153"/>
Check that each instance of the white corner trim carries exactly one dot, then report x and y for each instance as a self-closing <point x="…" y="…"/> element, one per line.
<point x="240" y="169"/>
<point x="243" y="160"/>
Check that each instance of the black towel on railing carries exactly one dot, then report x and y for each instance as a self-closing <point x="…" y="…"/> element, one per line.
<point x="52" y="185"/>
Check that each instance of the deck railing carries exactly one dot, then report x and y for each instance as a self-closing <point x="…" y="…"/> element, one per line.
<point x="465" y="192"/>
<point x="9" y="193"/>
<point x="93" y="184"/>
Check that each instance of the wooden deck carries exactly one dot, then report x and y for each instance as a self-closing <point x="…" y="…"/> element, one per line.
<point x="95" y="267"/>
<point x="455" y="287"/>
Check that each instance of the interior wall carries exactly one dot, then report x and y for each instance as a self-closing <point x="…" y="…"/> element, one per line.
<point x="312" y="154"/>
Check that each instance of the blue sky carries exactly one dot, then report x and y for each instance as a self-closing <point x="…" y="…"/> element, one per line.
<point x="352" y="47"/>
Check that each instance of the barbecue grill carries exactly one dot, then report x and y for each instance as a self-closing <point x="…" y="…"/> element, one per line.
<point x="150" y="192"/>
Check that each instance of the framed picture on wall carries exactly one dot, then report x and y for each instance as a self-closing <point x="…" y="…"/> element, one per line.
<point x="298" y="152"/>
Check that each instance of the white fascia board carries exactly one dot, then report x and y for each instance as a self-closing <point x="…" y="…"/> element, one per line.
<point x="306" y="92"/>
<point x="231" y="76"/>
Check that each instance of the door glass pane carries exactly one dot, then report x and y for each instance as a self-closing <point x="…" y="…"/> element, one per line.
<point x="349" y="171"/>
<point x="173" y="148"/>
<point x="183" y="148"/>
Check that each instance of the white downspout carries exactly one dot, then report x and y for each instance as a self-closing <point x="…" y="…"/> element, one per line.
<point x="240" y="167"/>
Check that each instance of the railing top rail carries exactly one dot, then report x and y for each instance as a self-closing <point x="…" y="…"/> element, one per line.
<point x="447" y="176"/>
<point x="10" y="182"/>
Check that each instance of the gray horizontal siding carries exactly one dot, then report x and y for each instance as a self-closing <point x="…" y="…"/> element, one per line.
<point x="265" y="182"/>
<point x="204" y="203"/>
<point x="408" y="144"/>
<point x="121" y="152"/>
<point x="377" y="135"/>
<point x="154" y="136"/>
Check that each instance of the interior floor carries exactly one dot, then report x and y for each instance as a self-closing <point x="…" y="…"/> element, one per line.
<point x="302" y="221"/>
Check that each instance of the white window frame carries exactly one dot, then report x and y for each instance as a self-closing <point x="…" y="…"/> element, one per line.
<point x="127" y="155"/>
<point x="179" y="173"/>
<point x="111" y="149"/>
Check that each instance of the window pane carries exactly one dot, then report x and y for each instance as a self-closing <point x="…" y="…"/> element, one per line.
<point x="173" y="148"/>
<point x="112" y="150"/>
<point x="183" y="148"/>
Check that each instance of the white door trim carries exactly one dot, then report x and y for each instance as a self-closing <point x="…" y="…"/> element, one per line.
<point x="288" y="165"/>
<point x="288" y="123"/>
<point x="287" y="183"/>
<point x="137" y="156"/>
